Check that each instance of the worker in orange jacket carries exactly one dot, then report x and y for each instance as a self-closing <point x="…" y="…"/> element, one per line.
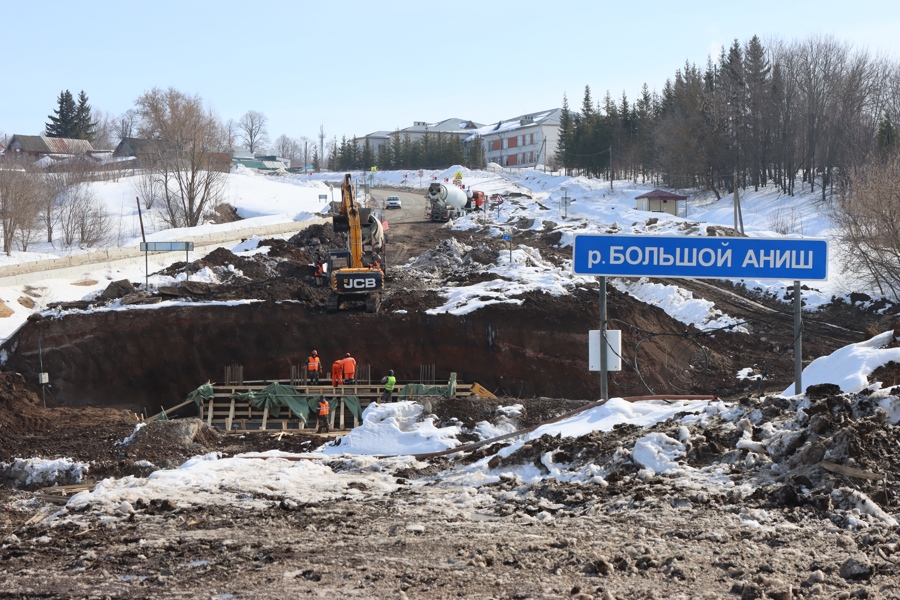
<point x="337" y="373"/>
<point x="349" y="364"/>
<point x="313" y="367"/>
<point x="323" y="415"/>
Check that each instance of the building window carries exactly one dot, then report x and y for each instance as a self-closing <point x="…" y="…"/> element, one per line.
<point x="496" y="145"/>
<point x="532" y="139"/>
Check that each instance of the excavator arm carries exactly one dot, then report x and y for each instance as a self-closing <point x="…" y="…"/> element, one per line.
<point x="348" y="221"/>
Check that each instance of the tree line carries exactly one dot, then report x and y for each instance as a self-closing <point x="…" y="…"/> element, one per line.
<point x="804" y="112"/>
<point x="434" y="150"/>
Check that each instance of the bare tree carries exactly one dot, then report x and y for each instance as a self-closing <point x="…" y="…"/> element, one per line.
<point x="189" y="138"/>
<point x="149" y="187"/>
<point x="252" y="127"/>
<point x="868" y="215"/>
<point x="20" y="190"/>
<point x="125" y="124"/>
<point x="230" y="134"/>
<point x="83" y="221"/>
<point x="288" y="148"/>
<point x="104" y="130"/>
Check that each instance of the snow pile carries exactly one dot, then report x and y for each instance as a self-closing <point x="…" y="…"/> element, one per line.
<point x="849" y="367"/>
<point x="506" y="422"/>
<point x="245" y="481"/>
<point x="22" y="472"/>
<point x="396" y="428"/>
<point x="618" y="411"/>
<point x="679" y="304"/>
<point x="657" y="453"/>
<point x="130" y="438"/>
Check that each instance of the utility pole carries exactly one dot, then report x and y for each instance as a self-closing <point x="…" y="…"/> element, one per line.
<point x="738" y="217"/>
<point x="321" y="144"/>
<point x="610" y="170"/>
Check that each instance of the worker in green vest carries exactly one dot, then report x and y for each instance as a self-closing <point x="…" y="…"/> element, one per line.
<point x="389" y="382"/>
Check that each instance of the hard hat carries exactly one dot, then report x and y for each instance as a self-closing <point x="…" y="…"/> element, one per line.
<point x="391" y="372"/>
<point x="315" y="353"/>
<point x="348" y="354"/>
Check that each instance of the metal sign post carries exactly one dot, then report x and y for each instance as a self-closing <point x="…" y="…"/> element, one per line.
<point x="798" y="340"/>
<point x="148" y="247"/>
<point x="604" y="368"/>
<point x="704" y="257"/>
<point x="508" y="239"/>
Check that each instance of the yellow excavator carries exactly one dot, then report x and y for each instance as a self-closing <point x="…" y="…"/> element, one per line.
<point x="356" y="273"/>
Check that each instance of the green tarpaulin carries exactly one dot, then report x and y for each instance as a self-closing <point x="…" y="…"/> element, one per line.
<point x="204" y="392"/>
<point x="276" y="395"/>
<point x="412" y="390"/>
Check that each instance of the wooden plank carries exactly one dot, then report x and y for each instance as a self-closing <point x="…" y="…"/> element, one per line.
<point x="265" y="418"/>
<point x="209" y="417"/>
<point x="230" y="416"/>
<point x="342" y="412"/>
<point x="850" y="471"/>
<point x="168" y="410"/>
<point x="479" y="390"/>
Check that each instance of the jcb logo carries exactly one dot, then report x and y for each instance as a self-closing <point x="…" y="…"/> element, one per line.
<point x="361" y="284"/>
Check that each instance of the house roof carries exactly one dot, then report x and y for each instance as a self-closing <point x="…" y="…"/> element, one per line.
<point x="143" y="146"/>
<point x="41" y="144"/>
<point x="453" y="125"/>
<point x="661" y="195"/>
<point x="544" y="117"/>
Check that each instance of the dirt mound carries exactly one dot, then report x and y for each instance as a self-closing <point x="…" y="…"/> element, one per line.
<point x="318" y="239"/>
<point x="780" y="450"/>
<point x="167" y="444"/>
<point x="18" y="403"/>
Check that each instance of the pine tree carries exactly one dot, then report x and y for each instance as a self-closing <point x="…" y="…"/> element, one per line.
<point x="475" y="153"/>
<point x="563" y="144"/>
<point x="63" y="124"/>
<point x="887" y="136"/>
<point x="368" y="156"/>
<point x="84" y="128"/>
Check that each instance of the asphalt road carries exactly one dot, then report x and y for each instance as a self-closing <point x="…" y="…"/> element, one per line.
<point x="413" y="203"/>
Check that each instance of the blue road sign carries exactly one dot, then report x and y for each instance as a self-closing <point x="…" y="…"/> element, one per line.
<point x="507" y="237"/>
<point x="701" y="257"/>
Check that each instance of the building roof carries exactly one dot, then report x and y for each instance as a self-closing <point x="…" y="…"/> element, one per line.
<point x="447" y="125"/>
<point x="453" y="125"/>
<point x="544" y="117"/>
<point x="661" y="195"/>
<point x="41" y="144"/>
<point x="143" y="146"/>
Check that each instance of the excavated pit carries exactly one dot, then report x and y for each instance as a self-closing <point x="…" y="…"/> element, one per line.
<point x="145" y="359"/>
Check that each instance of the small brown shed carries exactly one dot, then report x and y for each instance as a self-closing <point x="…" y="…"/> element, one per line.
<point x="661" y="201"/>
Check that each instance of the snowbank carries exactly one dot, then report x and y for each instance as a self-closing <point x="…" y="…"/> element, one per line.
<point x="396" y="428"/>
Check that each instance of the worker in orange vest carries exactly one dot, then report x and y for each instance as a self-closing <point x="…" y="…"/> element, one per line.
<point x="349" y="364"/>
<point x="323" y="415"/>
<point x="337" y="373"/>
<point x="313" y="367"/>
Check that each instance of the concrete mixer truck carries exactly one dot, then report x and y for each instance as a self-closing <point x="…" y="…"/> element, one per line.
<point x="447" y="202"/>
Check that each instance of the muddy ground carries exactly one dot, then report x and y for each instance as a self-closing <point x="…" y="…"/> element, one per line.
<point x="777" y="526"/>
<point x="741" y="525"/>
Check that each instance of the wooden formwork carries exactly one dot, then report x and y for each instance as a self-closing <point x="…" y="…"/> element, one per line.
<point x="225" y="412"/>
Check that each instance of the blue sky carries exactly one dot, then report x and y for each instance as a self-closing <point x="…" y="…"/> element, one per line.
<point x="356" y="67"/>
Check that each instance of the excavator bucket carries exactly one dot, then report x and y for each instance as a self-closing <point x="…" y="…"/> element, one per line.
<point x="341" y="223"/>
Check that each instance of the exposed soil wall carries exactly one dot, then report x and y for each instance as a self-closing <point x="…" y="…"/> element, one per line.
<point x="145" y="358"/>
<point x="142" y="359"/>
